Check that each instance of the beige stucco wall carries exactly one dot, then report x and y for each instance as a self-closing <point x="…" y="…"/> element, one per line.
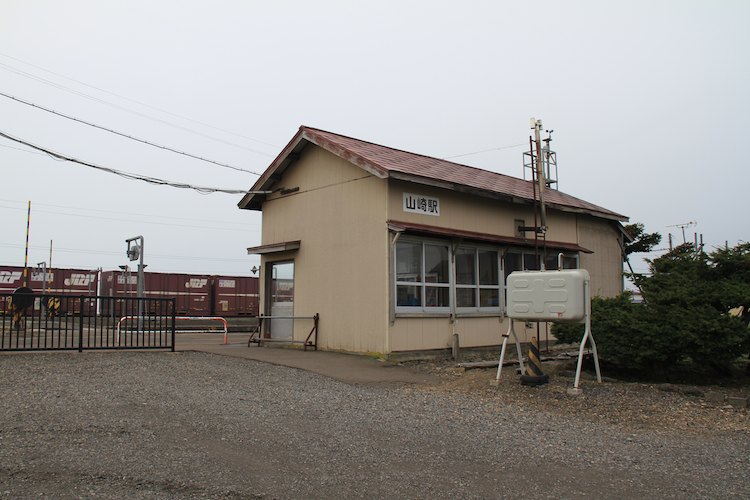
<point x="342" y="269"/>
<point x="338" y="214"/>
<point x="468" y="213"/>
<point x="414" y="334"/>
<point x="474" y="213"/>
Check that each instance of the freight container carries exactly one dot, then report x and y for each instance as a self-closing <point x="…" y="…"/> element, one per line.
<point x="235" y="296"/>
<point x="192" y="293"/>
<point x="59" y="281"/>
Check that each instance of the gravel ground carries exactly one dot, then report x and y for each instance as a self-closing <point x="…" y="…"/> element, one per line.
<point x="194" y="425"/>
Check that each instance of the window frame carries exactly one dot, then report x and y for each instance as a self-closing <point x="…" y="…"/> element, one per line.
<point x="524" y="253"/>
<point x="452" y="285"/>
<point x="477" y="286"/>
<point x="423" y="284"/>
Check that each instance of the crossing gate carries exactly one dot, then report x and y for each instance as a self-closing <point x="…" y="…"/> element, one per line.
<point x="55" y="322"/>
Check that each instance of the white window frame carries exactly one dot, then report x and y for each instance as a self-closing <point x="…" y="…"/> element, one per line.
<point x="423" y="284"/>
<point x="477" y="286"/>
<point x="452" y="284"/>
<point x="523" y="252"/>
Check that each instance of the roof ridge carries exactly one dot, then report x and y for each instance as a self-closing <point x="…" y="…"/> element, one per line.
<point x="413" y="153"/>
<point x="482" y="176"/>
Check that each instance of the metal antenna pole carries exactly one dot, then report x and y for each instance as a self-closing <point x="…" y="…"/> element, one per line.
<point x="683" y="226"/>
<point x="540" y="171"/>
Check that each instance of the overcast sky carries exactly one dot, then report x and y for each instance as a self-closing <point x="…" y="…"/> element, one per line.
<point x="648" y="101"/>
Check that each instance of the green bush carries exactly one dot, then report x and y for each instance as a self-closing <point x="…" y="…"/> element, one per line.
<point x="685" y="318"/>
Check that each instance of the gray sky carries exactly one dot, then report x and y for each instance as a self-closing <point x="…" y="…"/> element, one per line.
<point x="647" y="100"/>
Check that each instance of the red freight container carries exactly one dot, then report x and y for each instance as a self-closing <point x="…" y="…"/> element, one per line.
<point x="72" y="282"/>
<point x="59" y="281"/>
<point x="235" y="296"/>
<point x="192" y="293"/>
<point x="11" y="277"/>
<point x="195" y="295"/>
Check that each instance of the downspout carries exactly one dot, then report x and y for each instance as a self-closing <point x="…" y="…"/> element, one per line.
<point x="453" y="318"/>
<point x="392" y="282"/>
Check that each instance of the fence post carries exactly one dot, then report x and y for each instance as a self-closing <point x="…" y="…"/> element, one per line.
<point x="80" y="324"/>
<point x="174" y="321"/>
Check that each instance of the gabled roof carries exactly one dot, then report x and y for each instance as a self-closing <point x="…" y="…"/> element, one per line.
<point x="384" y="162"/>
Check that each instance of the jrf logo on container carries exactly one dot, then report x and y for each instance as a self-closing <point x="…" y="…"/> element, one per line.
<point x="80" y="279"/>
<point x="196" y="283"/>
<point x="8" y="277"/>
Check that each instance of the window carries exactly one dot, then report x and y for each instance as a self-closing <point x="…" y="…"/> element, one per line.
<point x="569" y="261"/>
<point x="529" y="261"/>
<point x="477" y="279"/>
<point x="422" y="276"/>
<point x="431" y="276"/>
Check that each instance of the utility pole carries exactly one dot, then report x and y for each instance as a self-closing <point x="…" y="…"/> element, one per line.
<point x="537" y="125"/>
<point x="26" y="254"/>
<point x="50" y="267"/>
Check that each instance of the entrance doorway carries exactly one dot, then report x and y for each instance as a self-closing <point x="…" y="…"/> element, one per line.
<point x="280" y="286"/>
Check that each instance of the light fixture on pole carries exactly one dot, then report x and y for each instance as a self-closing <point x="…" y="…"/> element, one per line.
<point x="135" y="252"/>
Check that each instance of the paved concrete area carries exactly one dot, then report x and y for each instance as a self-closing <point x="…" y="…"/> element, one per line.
<point x="348" y="368"/>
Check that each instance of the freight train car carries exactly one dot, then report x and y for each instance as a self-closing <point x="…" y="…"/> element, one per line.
<point x="234" y="296"/>
<point x="191" y="292"/>
<point x="195" y="294"/>
<point x="58" y="281"/>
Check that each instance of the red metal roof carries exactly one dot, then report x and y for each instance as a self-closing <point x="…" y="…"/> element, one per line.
<point x="384" y="162"/>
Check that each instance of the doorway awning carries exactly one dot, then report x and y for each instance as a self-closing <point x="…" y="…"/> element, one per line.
<point x="286" y="246"/>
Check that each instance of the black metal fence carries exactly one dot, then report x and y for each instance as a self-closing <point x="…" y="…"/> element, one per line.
<point x="50" y="322"/>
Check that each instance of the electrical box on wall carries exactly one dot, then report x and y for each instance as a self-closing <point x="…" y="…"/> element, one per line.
<point x="547" y="295"/>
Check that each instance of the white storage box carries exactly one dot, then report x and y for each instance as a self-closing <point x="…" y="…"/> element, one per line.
<point x="547" y="295"/>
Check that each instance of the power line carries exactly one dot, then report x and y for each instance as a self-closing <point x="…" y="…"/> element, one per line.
<point x="169" y="224"/>
<point x="21" y="149"/>
<point x="139" y="102"/>
<point x="486" y="151"/>
<point x="121" y="108"/>
<point x="131" y="176"/>
<point x="110" y="252"/>
<point x="22" y="205"/>
<point x="121" y="134"/>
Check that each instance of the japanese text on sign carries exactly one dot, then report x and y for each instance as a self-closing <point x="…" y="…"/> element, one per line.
<point x="419" y="204"/>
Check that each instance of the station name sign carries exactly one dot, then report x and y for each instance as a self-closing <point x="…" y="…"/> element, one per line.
<point x="418" y="204"/>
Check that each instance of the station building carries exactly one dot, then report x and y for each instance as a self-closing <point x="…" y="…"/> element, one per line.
<point x="398" y="251"/>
